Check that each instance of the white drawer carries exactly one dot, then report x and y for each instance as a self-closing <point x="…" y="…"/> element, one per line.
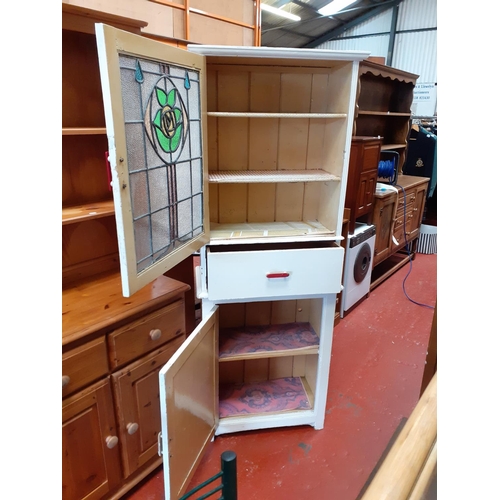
<point x="262" y="274"/>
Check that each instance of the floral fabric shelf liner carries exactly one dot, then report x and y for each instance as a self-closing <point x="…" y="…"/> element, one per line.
<point x="271" y="396"/>
<point x="271" y="339"/>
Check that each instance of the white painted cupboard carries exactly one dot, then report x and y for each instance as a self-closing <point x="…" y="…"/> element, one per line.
<point x="241" y="153"/>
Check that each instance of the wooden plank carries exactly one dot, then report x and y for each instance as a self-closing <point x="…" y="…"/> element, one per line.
<point x="407" y="457"/>
<point x="84" y="131"/>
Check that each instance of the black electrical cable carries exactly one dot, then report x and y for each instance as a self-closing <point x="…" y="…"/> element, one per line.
<point x="408" y="250"/>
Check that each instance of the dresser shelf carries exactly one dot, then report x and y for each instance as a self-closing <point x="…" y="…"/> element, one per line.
<point x="84" y="131"/>
<point x="388" y="147"/>
<point x="383" y="113"/>
<point x="88" y="211"/>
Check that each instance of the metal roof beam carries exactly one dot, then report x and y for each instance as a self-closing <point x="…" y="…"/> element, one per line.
<point x="329" y="35"/>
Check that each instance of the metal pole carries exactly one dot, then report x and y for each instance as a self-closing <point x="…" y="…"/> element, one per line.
<point x="229" y="479"/>
<point x="392" y="35"/>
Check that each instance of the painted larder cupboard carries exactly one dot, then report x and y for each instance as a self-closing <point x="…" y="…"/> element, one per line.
<point x="240" y="153"/>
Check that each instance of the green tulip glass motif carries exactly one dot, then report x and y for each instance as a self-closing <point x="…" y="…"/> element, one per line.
<point x="168" y="121"/>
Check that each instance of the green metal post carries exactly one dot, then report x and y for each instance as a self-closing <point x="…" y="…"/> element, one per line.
<point x="229" y="479"/>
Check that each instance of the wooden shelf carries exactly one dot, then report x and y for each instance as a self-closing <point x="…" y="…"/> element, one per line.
<point x="270" y="176"/>
<point x="267" y="341"/>
<point x="223" y="114"/>
<point x="88" y="211"/>
<point x="387" y="147"/>
<point x="383" y="113"/>
<point x="84" y="131"/>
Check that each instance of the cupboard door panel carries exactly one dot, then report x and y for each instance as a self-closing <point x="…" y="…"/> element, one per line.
<point x="189" y="403"/>
<point x="90" y="451"/>
<point x="383" y="219"/>
<point x="154" y="101"/>
<point x="137" y="399"/>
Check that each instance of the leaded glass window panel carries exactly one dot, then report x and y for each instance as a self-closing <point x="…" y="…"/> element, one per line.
<point x="162" y="116"/>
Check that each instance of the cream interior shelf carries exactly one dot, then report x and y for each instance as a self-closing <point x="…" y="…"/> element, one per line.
<point x="84" y="131"/>
<point x="269" y="230"/>
<point x="87" y="211"/>
<point x="224" y="114"/>
<point x="270" y="176"/>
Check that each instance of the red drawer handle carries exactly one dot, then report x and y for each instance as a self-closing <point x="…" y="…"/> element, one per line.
<point x="277" y="275"/>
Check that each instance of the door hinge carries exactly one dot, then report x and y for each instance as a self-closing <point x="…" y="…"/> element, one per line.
<point x="160" y="446"/>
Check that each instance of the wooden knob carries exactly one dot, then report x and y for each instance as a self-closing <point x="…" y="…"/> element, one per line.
<point x="132" y="427"/>
<point x="111" y="441"/>
<point x="155" y="334"/>
<point x="65" y="380"/>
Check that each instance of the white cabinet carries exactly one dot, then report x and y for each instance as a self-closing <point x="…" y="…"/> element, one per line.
<point x="241" y="153"/>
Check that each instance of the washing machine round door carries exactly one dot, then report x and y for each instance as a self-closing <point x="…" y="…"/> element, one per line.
<point x="362" y="263"/>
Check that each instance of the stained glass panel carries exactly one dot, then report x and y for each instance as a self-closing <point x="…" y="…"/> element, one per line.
<point x="162" y="116"/>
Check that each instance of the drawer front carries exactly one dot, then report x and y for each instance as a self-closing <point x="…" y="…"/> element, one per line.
<point x="411" y="195"/>
<point x="148" y="333"/>
<point x="274" y="273"/>
<point x="83" y="365"/>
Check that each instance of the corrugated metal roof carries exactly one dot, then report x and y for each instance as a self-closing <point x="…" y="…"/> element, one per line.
<point x="415" y="38"/>
<point x="314" y="29"/>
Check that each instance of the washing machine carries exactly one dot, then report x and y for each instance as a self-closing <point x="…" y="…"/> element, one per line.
<point x="358" y="265"/>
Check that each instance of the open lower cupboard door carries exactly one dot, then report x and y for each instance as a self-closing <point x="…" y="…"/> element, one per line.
<point x="154" y="108"/>
<point x="189" y="405"/>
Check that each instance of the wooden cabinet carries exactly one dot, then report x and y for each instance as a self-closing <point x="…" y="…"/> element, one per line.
<point x="362" y="178"/>
<point x="385" y="96"/>
<point x="238" y="152"/>
<point x="397" y="217"/>
<point x="90" y="452"/>
<point x="113" y="349"/>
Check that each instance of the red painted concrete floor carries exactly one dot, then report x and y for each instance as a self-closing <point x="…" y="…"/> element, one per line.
<point x="377" y="364"/>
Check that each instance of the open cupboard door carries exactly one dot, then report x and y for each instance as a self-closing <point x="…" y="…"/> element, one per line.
<point x="189" y="405"/>
<point x="154" y="104"/>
